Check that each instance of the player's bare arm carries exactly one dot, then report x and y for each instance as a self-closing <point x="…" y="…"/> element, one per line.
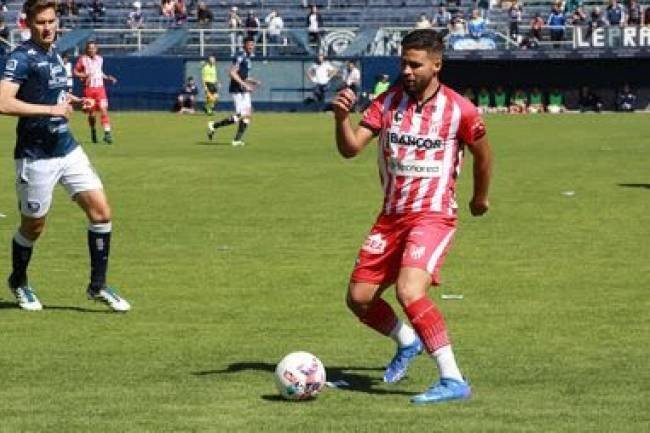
<point x="12" y="106"/>
<point x="349" y="141"/>
<point x="482" y="171"/>
<point x="235" y="76"/>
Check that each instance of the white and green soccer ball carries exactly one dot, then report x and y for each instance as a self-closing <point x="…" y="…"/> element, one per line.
<point x="300" y="376"/>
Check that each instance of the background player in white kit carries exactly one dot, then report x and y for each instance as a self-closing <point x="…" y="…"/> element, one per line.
<point x="34" y="87"/>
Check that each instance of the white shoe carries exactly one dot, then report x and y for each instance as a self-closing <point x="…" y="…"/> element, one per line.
<point x="26" y="298"/>
<point x="210" y="131"/>
<point x="109" y="296"/>
<point x="238" y="143"/>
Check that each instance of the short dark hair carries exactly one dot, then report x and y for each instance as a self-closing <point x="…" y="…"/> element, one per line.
<point x="32" y="7"/>
<point x="248" y="39"/>
<point x="423" y="39"/>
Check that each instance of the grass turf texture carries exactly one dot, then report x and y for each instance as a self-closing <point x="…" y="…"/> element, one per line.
<point x="233" y="257"/>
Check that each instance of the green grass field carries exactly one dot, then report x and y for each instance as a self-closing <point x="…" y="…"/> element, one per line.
<point x="233" y="257"/>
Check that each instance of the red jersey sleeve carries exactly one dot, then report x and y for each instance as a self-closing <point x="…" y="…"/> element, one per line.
<point x="472" y="127"/>
<point x="374" y="114"/>
<point x="79" y="66"/>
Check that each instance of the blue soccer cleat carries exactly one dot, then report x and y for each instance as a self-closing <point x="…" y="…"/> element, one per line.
<point x="445" y="390"/>
<point x="398" y="366"/>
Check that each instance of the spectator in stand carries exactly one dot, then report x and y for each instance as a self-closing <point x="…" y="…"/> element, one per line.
<point x="187" y="97"/>
<point x="615" y="14"/>
<point x="442" y="17"/>
<point x="634" y="13"/>
<point x="21" y="24"/>
<point x="353" y="77"/>
<point x="180" y="13"/>
<point x="135" y="19"/>
<point x="423" y="22"/>
<point x="4" y="37"/>
<point x="579" y="17"/>
<point x="514" y="18"/>
<point x="252" y="25"/>
<point x="483" y="101"/>
<point x="320" y="73"/>
<point x="589" y="101"/>
<point x="625" y="99"/>
<point x="204" y="15"/>
<point x="314" y="26"/>
<point x="3" y="7"/>
<point x="518" y="102"/>
<point x="167" y="8"/>
<point x="646" y="17"/>
<point x="275" y="25"/>
<point x="536" y="101"/>
<point x="555" y="102"/>
<point x="235" y="25"/>
<point x="457" y="27"/>
<point x="476" y="26"/>
<point x="500" y="100"/>
<point x="596" y="20"/>
<point x="556" y="22"/>
<point x="96" y="11"/>
<point x="536" y="26"/>
<point x="67" y="8"/>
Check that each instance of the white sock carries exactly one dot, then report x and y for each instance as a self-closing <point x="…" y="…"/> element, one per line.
<point x="447" y="363"/>
<point x="22" y="240"/>
<point x="402" y="334"/>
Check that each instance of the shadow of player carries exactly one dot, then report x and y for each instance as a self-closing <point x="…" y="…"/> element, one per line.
<point x="635" y="185"/>
<point x="357" y="381"/>
<point x="14" y="305"/>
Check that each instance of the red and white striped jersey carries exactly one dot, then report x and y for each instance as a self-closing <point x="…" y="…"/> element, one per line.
<point x="421" y="148"/>
<point x="92" y="67"/>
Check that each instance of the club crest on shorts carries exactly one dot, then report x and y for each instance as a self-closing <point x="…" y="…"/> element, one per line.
<point x="375" y="244"/>
<point x="33" y="206"/>
<point x="417" y="252"/>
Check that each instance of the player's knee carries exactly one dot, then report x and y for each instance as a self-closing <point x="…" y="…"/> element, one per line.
<point x="32" y="228"/>
<point x="100" y="214"/>
<point x="358" y="301"/>
<point x="408" y="292"/>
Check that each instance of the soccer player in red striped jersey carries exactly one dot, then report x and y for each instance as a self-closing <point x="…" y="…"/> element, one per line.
<point x="422" y="128"/>
<point x="89" y="69"/>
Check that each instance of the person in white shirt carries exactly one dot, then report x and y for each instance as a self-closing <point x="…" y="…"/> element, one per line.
<point x="353" y="77"/>
<point x="320" y="73"/>
<point x="314" y="25"/>
<point x="275" y="25"/>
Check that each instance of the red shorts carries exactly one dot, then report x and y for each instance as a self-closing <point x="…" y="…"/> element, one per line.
<point x="98" y="95"/>
<point x="418" y="240"/>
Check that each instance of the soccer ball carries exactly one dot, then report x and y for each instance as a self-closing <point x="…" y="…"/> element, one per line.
<point x="299" y="376"/>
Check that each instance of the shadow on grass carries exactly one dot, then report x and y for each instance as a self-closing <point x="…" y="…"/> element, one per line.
<point x="5" y="304"/>
<point x="635" y="185"/>
<point x="354" y="376"/>
<point x="13" y="304"/>
<point x="212" y="143"/>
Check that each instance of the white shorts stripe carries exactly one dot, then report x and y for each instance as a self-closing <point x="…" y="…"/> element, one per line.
<point x="447" y="161"/>
<point x="437" y="253"/>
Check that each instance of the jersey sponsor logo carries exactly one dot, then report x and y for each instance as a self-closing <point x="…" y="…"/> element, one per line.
<point x="31" y="52"/>
<point x="11" y="65"/>
<point x="419" y="141"/>
<point x="375" y="244"/>
<point x="397" y="117"/>
<point x="415" y="168"/>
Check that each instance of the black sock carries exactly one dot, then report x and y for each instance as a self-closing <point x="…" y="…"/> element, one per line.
<point x="20" y="257"/>
<point x="99" y="246"/>
<point x="240" y="130"/>
<point x="225" y="122"/>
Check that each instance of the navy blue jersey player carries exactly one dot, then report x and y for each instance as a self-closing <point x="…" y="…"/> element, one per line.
<point x="34" y="88"/>
<point x="241" y="86"/>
